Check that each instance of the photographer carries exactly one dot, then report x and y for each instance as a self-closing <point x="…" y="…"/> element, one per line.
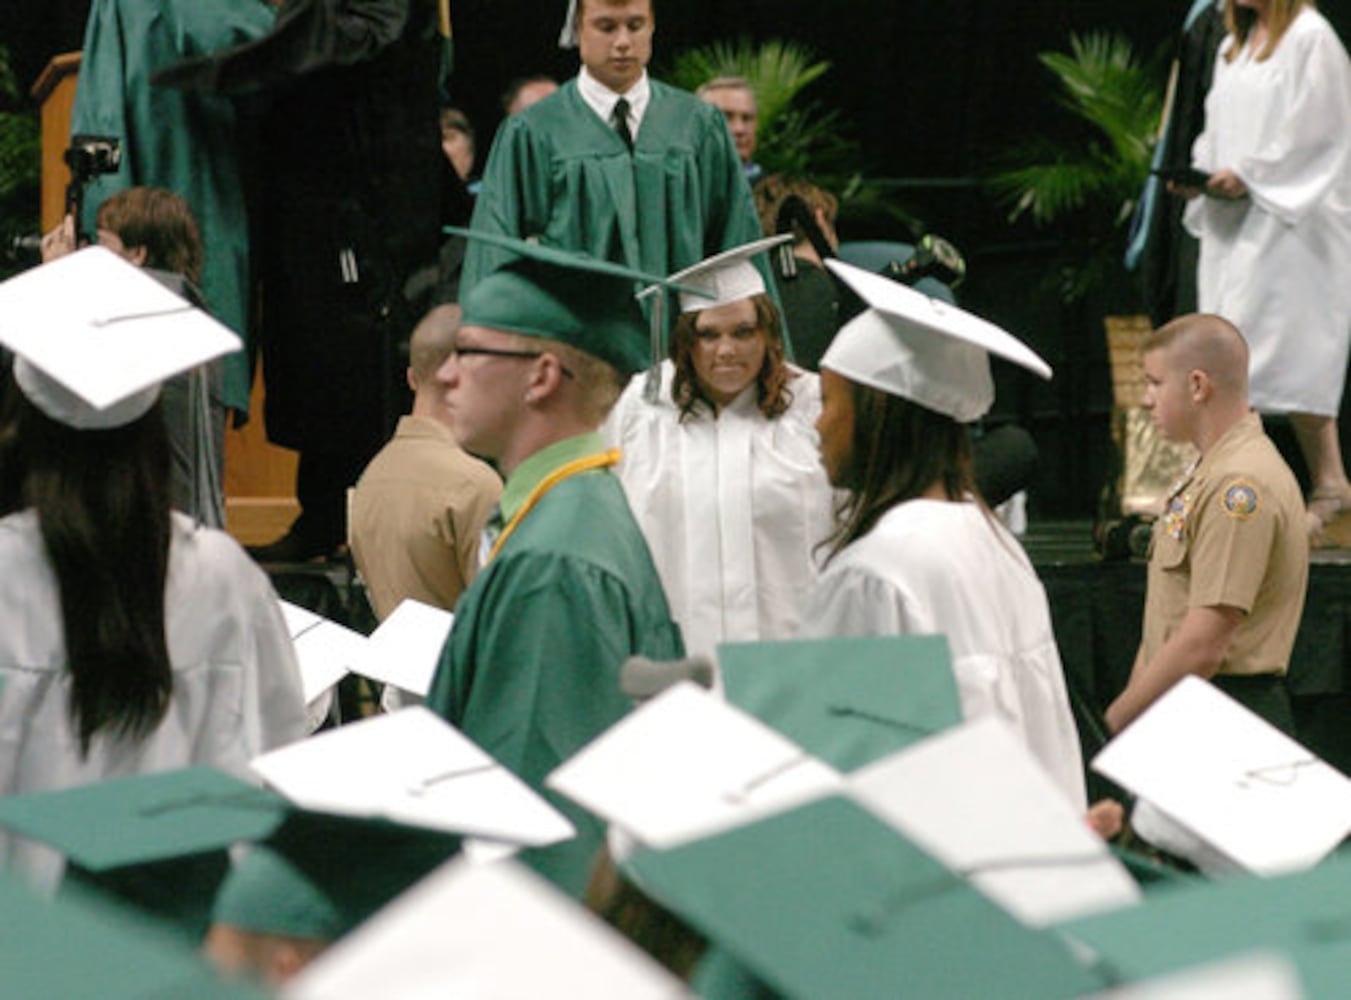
<point x="154" y="229"/>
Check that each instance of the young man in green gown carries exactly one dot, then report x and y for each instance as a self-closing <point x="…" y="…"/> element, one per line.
<point x="568" y="591"/>
<point x="660" y="194"/>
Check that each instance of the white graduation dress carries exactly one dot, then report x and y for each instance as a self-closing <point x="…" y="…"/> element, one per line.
<point x="935" y="567"/>
<point x="732" y="507"/>
<point x="236" y="685"/>
<point x="1277" y="264"/>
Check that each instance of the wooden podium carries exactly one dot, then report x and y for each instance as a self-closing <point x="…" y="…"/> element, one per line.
<point x="259" y="477"/>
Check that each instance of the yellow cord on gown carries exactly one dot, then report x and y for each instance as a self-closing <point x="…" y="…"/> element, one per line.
<point x="599" y="461"/>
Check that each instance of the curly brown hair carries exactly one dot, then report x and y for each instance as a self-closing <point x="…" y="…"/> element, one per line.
<point x="772" y="393"/>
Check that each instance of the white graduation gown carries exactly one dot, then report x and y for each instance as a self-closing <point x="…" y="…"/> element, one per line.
<point x="236" y="685"/>
<point x="1277" y="264"/>
<point x="732" y="508"/>
<point x="934" y="567"/>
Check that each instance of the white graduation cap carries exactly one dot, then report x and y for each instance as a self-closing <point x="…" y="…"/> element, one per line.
<point x="687" y="765"/>
<point x="486" y="932"/>
<point x="1248" y="796"/>
<point x="412" y="767"/>
<point x="95" y="336"/>
<point x="406" y="648"/>
<point x="326" y="651"/>
<point x="977" y="800"/>
<point x="924" y="350"/>
<point x="724" y="278"/>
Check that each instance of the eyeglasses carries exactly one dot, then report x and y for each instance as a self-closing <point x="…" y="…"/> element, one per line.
<point x="464" y="351"/>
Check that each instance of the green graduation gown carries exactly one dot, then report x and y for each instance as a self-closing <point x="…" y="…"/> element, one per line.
<point x="186" y="142"/>
<point x="559" y="173"/>
<point x="530" y="671"/>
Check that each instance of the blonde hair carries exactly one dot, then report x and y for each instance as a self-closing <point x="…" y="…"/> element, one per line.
<point x="1240" y="21"/>
<point x="599" y="383"/>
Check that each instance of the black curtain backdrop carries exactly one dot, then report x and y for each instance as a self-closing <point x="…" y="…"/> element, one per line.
<point x="932" y="90"/>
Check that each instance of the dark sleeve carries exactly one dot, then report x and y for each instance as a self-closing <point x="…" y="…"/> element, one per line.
<point x="310" y="35"/>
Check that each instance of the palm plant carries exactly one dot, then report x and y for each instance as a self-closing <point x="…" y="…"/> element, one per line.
<point x="20" y="159"/>
<point x="1094" y="182"/>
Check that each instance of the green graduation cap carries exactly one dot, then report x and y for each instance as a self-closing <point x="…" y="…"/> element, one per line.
<point x="847" y="701"/>
<point x="1303" y="915"/>
<point x="77" y="945"/>
<point x="319" y="876"/>
<point x="559" y="295"/>
<point x="158" y="840"/>
<point x="829" y="901"/>
<point x="145" y="818"/>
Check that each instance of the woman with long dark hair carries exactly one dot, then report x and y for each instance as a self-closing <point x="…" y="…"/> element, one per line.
<point x="133" y="639"/>
<point x="916" y="550"/>
<point x="721" y="468"/>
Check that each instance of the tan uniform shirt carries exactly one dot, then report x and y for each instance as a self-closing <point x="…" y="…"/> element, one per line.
<point x="416" y="515"/>
<point x="1233" y="533"/>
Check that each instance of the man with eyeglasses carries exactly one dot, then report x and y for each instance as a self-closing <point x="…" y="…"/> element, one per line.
<point x="568" y="590"/>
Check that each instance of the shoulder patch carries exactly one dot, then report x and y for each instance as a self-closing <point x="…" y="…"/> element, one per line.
<point x="1240" y="499"/>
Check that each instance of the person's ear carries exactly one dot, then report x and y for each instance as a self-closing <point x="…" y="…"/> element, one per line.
<point x="545" y="377"/>
<point x="411" y="377"/>
<point x="137" y="255"/>
<point x="1199" y="385"/>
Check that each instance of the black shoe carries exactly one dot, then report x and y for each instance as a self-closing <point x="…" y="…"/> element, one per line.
<point x="297" y="547"/>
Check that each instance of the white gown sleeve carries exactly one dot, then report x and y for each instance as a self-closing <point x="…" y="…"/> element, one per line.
<point x="847" y="601"/>
<point x="1307" y="153"/>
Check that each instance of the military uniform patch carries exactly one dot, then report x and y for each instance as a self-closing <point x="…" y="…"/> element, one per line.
<point x="1175" y="517"/>
<point x="1240" y="499"/>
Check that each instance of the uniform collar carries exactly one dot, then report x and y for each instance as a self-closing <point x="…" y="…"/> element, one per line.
<point x="1239" y="434"/>
<point x="411" y="425"/>
<point x="601" y="99"/>
<point x="526" y="476"/>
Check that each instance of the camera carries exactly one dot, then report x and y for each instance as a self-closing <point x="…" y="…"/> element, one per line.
<point x="88" y="156"/>
<point x="934" y="257"/>
<point x="91" y="155"/>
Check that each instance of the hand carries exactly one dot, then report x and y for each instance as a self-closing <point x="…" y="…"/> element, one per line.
<point x="1226" y="184"/>
<point x="60" y="241"/>
<point x="1183" y="190"/>
<point x="1105" y="817"/>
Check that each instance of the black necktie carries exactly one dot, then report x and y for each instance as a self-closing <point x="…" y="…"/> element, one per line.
<point x="621" y="122"/>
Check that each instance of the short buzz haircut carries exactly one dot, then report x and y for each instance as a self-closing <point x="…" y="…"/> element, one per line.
<point x="1208" y="342"/>
<point x="432" y="340"/>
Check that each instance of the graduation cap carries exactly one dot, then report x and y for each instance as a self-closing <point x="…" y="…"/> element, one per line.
<point x="559" y="295"/>
<point x="403" y="650"/>
<point x="724" y="278"/>
<point x="930" y="352"/>
<point x="829" y="901"/>
<point x="311" y="874"/>
<point x="719" y="280"/>
<point x="1305" y="917"/>
<point x="647" y="776"/>
<point x="319" y="876"/>
<point x="1252" y="976"/>
<point x="977" y="800"/>
<point x="414" y="768"/>
<point x="848" y="701"/>
<point x="1225" y="788"/>
<point x="95" y="336"/>
<point x="484" y="931"/>
<point x="325" y="651"/>
<point x="156" y="842"/>
<point x="78" y="945"/>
